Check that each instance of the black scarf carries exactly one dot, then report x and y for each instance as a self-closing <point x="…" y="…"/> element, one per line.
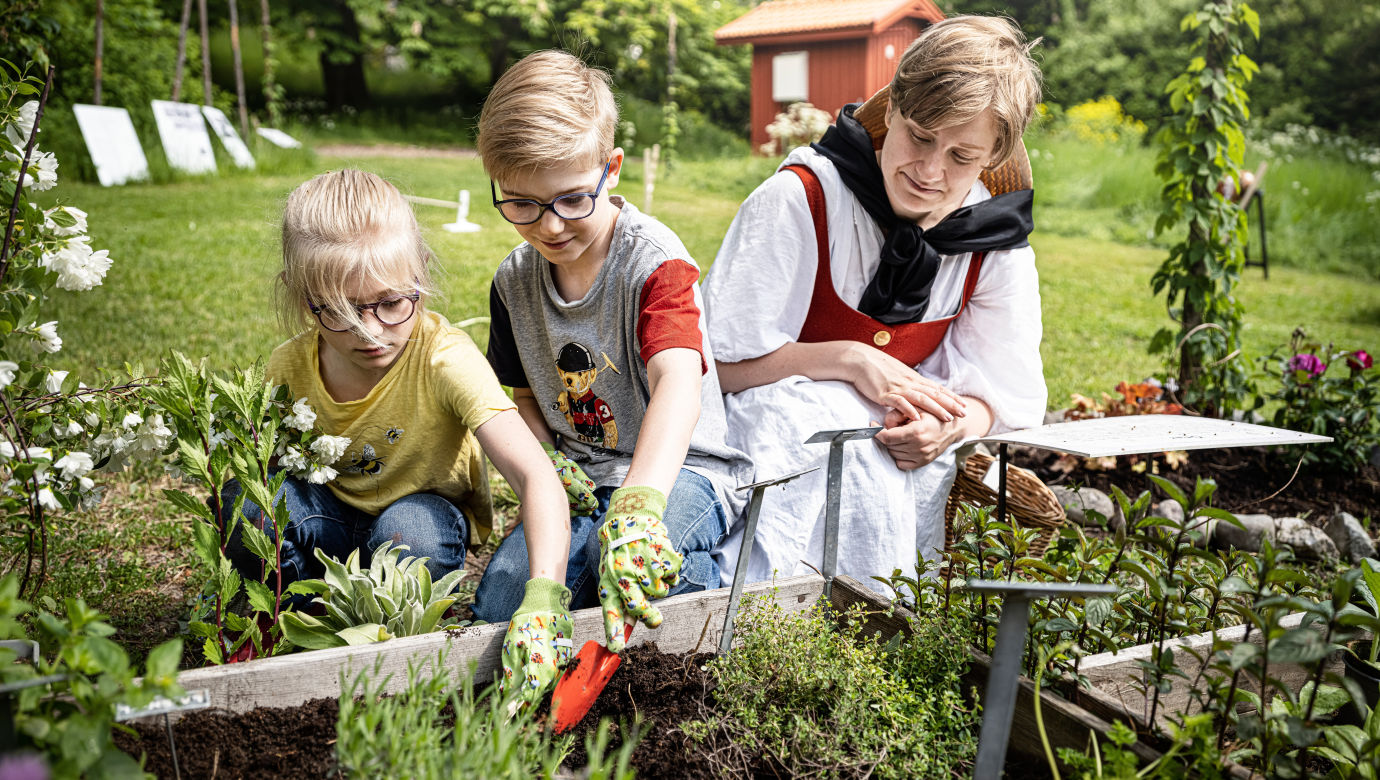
<point x="900" y="290"/>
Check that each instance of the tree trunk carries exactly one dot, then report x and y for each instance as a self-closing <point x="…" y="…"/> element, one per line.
<point x="344" y="77"/>
<point x="239" y="66"/>
<point x="181" y="49"/>
<point x="270" y="101"/>
<point x="100" y="50"/>
<point x="205" y="54"/>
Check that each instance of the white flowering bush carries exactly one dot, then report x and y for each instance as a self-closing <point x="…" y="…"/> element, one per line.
<point x="54" y="430"/>
<point x="236" y="426"/>
<point x="799" y="124"/>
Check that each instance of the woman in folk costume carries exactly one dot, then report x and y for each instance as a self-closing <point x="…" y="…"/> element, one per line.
<point x="874" y="279"/>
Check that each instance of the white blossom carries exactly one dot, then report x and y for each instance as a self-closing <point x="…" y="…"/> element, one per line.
<point x="47" y="339"/>
<point x="6" y="450"/>
<point x="18" y="133"/>
<point x="302" y="417"/>
<point x="92" y="420"/>
<point x="74" y="464"/>
<point x="132" y="421"/>
<point x="72" y="211"/>
<point x="330" y="448"/>
<point x="77" y="266"/>
<point x="47" y="500"/>
<point x="153" y="436"/>
<point x="72" y="428"/>
<point x="53" y="382"/>
<point x="293" y="459"/>
<point x="320" y="475"/>
<point x="42" y="174"/>
<point x="92" y="496"/>
<point x="8" y="368"/>
<point x="218" y="438"/>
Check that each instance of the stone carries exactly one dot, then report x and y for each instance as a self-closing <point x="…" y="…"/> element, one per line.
<point x="1352" y="540"/>
<point x="1254" y="528"/>
<point x="1308" y="540"/>
<point x="1078" y="503"/>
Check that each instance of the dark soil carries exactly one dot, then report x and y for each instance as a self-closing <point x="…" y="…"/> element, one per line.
<point x="1250" y="480"/>
<point x="268" y="743"/>
<point x="665" y="691"/>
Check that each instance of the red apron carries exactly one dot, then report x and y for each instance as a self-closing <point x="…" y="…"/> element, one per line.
<point x="830" y="319"/>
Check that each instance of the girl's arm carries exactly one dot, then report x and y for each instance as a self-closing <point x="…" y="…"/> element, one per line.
<point x="545" y="512"/>
<point x="674" y="408"/>
<point x="530" y="410"/>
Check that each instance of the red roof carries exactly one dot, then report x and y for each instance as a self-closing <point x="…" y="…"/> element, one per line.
<point x="822" y="18"/>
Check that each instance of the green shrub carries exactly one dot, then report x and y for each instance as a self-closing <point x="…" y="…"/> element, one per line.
<point x="816" y="700"/>
<point x="440" y="728"/>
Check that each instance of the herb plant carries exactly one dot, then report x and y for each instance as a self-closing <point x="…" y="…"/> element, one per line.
<point x="390" y="598"/>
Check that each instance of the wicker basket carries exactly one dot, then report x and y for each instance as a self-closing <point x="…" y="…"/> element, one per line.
<point x="1028" y="501"/>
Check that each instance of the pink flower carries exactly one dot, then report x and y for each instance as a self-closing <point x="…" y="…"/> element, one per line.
<point x="1359" y="360"/>
<point x="1307" y="362"/>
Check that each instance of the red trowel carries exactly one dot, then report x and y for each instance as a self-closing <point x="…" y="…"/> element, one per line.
<point x="589" y="671"/>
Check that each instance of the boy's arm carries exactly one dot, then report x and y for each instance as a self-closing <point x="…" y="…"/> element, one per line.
<point x="530" y="410"/>
<point x="674" y="409"/>
<point x="544" y="513"/>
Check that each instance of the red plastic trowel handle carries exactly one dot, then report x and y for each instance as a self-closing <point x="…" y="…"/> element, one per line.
<point x="583" y="681"/>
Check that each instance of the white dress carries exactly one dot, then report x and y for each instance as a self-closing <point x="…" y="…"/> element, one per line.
<point x="757" y="296"/>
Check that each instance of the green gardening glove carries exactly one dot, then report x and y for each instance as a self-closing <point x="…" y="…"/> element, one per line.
<point x="578" y="487"/>
<point x="636" y="561"/>
<point x="538" y="641"/>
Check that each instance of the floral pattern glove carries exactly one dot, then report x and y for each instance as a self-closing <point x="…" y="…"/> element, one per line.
<point x="578" y="487"/>
<point x="538" y="641"/>
<point x="636" y="561"/>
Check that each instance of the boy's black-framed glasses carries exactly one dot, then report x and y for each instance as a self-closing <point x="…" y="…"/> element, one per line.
<point x="575" y="205"/>
<point x="393" y="310"/>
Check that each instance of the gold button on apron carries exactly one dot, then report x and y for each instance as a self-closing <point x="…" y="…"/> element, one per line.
<point x="882" y="338"/>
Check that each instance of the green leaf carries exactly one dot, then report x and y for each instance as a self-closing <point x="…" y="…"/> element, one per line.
<point x="189" y="503"/>
<point x="206" y="543"/>
<point x="366" y="634"/>
<point x="161" y="665"/>
<point x="261" y="599"/>
<point x="307" y="632"/>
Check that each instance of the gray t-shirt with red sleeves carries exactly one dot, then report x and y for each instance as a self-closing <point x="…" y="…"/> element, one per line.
<point x="586" y="360"/>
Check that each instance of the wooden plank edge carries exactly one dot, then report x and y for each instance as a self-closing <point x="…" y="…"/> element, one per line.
<point x="689" y="620"/>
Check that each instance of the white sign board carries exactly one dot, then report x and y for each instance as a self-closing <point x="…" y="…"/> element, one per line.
<point x="185" y="140"/>
<point x="228" y="137"/>
<point x="112" y="143"/>
<point x="278" y="138"/>
<point x="790" y="77"/>
<point x="1140" y="433"/>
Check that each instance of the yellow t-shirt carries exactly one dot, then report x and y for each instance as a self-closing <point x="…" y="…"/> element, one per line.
<point x="414" y="432"/>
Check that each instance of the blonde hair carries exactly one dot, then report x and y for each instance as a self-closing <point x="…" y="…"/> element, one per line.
<point x="340" y="230"/>
<point x="549" y="109"/>
<point x="963" y="65"/>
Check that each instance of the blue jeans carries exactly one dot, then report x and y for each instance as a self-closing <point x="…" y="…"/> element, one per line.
<point x="694" y="520"/>
<point x="428" y="524"/>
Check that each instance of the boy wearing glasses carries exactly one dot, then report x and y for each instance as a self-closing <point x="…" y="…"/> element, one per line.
<point x="598" y="328"/>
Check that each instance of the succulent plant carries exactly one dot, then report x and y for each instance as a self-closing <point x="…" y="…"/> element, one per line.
<point x="392" y="597"/>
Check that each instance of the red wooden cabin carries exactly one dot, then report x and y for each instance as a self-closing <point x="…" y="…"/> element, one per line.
<point x="826" y="52"/>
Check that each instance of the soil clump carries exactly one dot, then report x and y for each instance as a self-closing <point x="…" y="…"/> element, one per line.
<point x="269" y="743"/>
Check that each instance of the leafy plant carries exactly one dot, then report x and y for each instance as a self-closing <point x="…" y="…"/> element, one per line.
<point x="438" y="727"/>
<point x="1200" y="145"/>
<point x="67" y="709"/>
<point x="1329" y="392"/>
<point x="811" y="698"/>
<point x="391" y="598"/>
<point x="233" y="426"/>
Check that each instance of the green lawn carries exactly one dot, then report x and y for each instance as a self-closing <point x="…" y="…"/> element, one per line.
<point x="194" y="261"/>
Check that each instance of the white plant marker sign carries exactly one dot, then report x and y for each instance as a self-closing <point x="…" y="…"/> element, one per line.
<point x="461" y="223"/>
<point x="1141" y="433"/>
<point x="185" y="140"/>
<point x="228" y="137"/>
<point x="112" y="143"/>
<point x="278" y="138"/>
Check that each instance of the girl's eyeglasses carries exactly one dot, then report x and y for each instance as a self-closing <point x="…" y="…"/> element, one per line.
<point x="525" y="211"/>
<point x="393" y="310"/>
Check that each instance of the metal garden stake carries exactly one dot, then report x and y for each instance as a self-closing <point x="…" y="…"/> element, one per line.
<point x="999" y="701"/>
<point x="745" y="550"/>
<point x="833" y="493"/>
